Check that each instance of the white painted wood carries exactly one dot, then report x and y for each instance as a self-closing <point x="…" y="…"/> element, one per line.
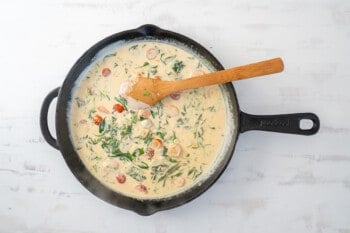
<point x="274" y="183"/>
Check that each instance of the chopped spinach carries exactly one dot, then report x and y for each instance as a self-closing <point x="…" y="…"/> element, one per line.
<point x="136" y="174"/>
<point x="178" y="66"/>
<point x="160" y="134"/>
<point x="142" y="165"/>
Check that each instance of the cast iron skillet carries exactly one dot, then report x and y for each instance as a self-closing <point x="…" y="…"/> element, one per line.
<point x="288" y="123"/>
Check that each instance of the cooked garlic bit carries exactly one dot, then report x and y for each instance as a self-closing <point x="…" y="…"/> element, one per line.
<point x="147" y="124"/>
<point x="124" y="88"/>
<point x="110" y="163"/>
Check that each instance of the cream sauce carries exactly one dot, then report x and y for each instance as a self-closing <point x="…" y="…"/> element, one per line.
<point x="154" y="152"/>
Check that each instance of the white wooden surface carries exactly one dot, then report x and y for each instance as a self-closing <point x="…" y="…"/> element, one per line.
<point x="274" y="183"/>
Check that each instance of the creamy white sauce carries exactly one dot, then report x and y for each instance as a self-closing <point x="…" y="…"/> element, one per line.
<point x="157" y="151"/>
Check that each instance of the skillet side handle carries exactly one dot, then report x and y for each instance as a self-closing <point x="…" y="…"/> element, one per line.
<point x="43" y="118"/>
<point x="284" y="123"/>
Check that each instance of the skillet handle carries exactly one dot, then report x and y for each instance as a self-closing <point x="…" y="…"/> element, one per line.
<point x="284" y="123"/>
<point x="43" y="118"/>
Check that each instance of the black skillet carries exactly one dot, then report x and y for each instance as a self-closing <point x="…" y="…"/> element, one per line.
<point x="286" y="123"/>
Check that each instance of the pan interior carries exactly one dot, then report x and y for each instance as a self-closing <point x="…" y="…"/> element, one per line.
<point x="94" y="111"/>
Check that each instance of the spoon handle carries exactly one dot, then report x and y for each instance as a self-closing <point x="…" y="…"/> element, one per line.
<point x="238" y="73"/>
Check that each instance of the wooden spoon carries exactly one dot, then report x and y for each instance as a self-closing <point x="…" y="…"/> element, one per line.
<point x="151" y="90"/>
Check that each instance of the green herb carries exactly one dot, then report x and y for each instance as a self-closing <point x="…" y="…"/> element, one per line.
<point x="184" y="110"/>
<point x="148" y="139"/>
<point x="122" y="155"/>
<point x="160" y="134"/>
<point x="194" y="172"/>
<point x="102" y="125"/>
<point x="79" y="102"/>
<point x="138" y="152"/>
<point x="199" y="133"/>
<point x="141" y="118"/>
<point x="173" y="136"/>
<point x="178" y="66"/>
<point x="171" y="160"/>
<point x="110" y="55"/>
<point x="158" y="170"/>
<point x="104" y="95"/>
<point x="93" y="141"/>
<point x="199" y="130"/>
<point x="166" y="60"/>
<point x="159" y="107"/>
<point x="181" y="121"/>
<point x="142" y="165"/>
<point x="169" y="173"/>
<point x="153" y="70"/>
<point x="165" y="151"/>
<point x="133" y="47"/>
<point x="90" y="91"/>
<point x="144" y="64"/>
<point x="126" y="130"/>
<point x="94" y="167"/>
<point x="136" y="174"/>
<point x="147" y="93"/>
<point x="153" y="113"/>
<point x="212" y="108"/>
<point x="122" y="101"/>
<point x="96" y="158"/>
<point x="111" y="146"/>
<point x="91" y="112"/>
<point x="134" y="118"/>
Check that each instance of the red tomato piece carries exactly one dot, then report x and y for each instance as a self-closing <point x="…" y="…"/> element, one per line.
<point x="106" y="72"/>
<point x="141" y="188"/>
<point x="121" y="178"/>
<point x="118" y="107"/>
<point x="150" y="152"/>
<point x="97" y="119"/>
